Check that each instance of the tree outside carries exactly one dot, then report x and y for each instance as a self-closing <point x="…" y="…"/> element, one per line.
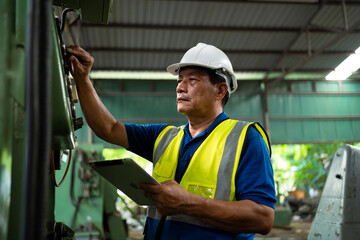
<point x="303" y="166"/>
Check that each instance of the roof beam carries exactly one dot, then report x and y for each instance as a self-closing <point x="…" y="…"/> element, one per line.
<point x="228" y="51"/>
<point x="319" y="51"/>
<point x="284" y="54"/>
<point x="313" y="29"/>
<point x="285" y="2"/>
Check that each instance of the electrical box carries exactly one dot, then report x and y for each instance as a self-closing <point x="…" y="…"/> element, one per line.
<point x="97" y="11"/>
<point x="338" y="213"/>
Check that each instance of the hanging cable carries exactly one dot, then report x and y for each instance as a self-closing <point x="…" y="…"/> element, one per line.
<point x="63" y="16"/>
<point x="53" y="169"/>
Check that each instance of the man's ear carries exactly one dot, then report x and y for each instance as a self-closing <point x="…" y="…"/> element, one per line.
<point x="222" y="90"/>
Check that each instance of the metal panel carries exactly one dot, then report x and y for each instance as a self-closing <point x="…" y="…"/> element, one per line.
<point x="349" y="42"/>
<point x="212" y="12"/>
<point x="338" y="213"/>
<point x="244" y="106"/>
<point x="91" y="10"/>
<point x="314" y="131"/>
<point x="165" y="86"/>
<point x="327" y="86"/>
<point x="313" y="105"/>
<point x="295" y="117"/>
<point x="301" y="86"/>
<point x="137" y="86"/>
<point x="81" y="135"/>
<point x="350" y="87"/>
<point x="317" y="40"/>
<point x="105" y="85"/>
<point x="140" y="25"/>
<point x="326" y="16"/>
<point x="141" y="106"/>
<point x="62" y="124"/>
<point x="324" y="62"/>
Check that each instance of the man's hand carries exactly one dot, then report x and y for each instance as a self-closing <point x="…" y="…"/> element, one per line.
<point x="81" y="63"/>
<point x="168" y="197"/>
<point x="234" y="216"/>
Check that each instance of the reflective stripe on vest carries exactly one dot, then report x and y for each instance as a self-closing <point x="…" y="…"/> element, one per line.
<point x="212" y="175"/>
<point x="163" y="140"/>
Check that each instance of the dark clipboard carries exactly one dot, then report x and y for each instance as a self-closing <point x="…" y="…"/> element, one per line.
<point x="125" y="174"/>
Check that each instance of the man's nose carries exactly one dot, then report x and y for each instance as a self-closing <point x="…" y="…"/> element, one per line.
<point x="181" y="87"/>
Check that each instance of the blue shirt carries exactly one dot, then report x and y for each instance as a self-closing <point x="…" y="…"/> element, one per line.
<point x="254" y="178"/>
<point x="189" y="145"/>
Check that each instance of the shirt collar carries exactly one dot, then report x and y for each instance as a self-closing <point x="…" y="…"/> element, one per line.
<point x="222" y="116"/>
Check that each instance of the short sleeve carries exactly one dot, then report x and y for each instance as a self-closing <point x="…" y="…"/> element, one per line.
<point x="255" y="177"/>
<point x="142" y="138"/>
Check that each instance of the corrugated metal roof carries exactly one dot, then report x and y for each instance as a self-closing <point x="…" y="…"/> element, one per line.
<point x="257" y="36"/>
<point x="332" y="16"/>
<point x="215" y="13"/>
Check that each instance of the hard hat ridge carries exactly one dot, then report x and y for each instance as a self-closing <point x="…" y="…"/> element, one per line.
<point x="208" y="56"/>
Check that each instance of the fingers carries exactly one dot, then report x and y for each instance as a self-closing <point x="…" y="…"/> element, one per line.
<point x="153" y="188"/>
<point x="148" y="194"/>
<point x="76" y="50"/>
<point x="170" y="182"/>
<point x="84" y="57"/>
<point x="76" y="64"/>
<point x="167" y="196"/>
<point x="81" y="62"/>
<point x="74" y="60"/>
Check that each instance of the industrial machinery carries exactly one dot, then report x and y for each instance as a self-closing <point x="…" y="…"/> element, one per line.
<point x="338" y="213"/>
<point x="37" y="130"/>
<point x="86" y="202"/>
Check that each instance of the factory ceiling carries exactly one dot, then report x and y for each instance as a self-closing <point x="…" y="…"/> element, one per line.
<point x="276" y="38"/>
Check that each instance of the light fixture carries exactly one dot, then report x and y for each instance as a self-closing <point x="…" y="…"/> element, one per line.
<point x="346" y="68"/>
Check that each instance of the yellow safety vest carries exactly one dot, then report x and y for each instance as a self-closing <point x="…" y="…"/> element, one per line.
<point x="211" y="171"/>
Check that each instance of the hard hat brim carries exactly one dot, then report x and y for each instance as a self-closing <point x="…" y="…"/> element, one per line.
<point x="174" y="68"/>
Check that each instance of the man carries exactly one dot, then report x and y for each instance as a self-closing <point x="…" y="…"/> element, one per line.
<point x="216" y="174"/>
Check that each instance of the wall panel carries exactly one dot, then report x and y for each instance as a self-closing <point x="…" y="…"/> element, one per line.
<point x="305" y="111"/>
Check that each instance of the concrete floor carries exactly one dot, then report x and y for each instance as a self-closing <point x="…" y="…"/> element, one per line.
<point x="296" y="231"/>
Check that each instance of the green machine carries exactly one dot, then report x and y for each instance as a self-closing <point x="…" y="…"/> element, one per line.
<point x="38" y="121"/>
<point x="85" y="202"/>
<point x="97" y="11"/>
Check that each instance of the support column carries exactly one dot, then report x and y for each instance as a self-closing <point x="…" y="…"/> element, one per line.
<point x="265" y="109"/>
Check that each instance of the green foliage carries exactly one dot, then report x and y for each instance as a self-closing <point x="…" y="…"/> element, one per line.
<point x="302" y="167"/>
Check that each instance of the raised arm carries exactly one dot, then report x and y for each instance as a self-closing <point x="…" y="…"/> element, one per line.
<point x="100" y="120"/>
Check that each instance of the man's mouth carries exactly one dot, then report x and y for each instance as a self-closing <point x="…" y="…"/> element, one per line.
<point x="182" y="99"/>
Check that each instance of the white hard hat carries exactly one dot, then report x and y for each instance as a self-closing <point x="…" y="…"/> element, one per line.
<point x="208" y="56"/>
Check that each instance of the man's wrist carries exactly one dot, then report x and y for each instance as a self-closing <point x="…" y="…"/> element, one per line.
<point x="195" y="205"/>
<point x="83" y="81"/>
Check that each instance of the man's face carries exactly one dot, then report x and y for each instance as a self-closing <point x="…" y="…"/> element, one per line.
<point x="195" y="93"/>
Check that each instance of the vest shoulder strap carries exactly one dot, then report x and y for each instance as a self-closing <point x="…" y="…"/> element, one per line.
<point x="163" y="140"/>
